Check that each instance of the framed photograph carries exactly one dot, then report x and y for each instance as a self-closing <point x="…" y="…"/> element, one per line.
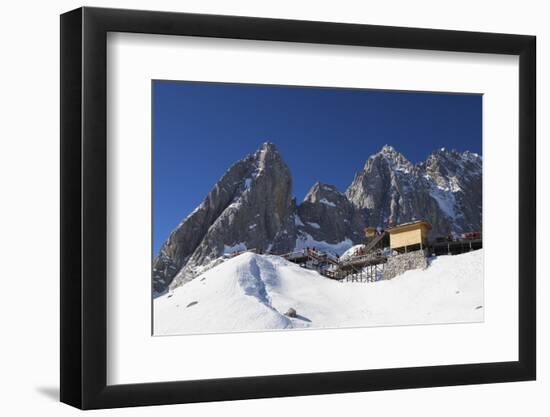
<point x="256" y="208"/>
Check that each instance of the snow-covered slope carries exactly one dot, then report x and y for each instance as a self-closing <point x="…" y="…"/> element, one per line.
<point x="252" y="292"/>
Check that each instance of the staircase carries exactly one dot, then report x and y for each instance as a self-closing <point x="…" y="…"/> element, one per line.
<point x="374" y="242"/>
<point x="365" y="268"/>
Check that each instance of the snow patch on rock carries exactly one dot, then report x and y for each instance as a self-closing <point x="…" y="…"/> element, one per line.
<point x="326" y="202"/>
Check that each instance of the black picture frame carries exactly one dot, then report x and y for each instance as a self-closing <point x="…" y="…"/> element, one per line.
<point x="84" y="207"/>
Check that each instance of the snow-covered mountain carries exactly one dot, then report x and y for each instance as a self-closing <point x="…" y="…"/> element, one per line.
<point x="253" y="292"/>
<point x="251" y="207"/>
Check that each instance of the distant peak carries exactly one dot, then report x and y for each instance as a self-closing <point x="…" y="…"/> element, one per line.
<point x="322" y="186"/>
<point x="454" y="153"/>
<point x="472" y="154"/>
<point x="267" y="152"/>
<point x="314" y="189"/>
<point x="390" y="152"/>
<point x="392" y="157"/>
<point x="320" y="190"/>
<point x="444" y="151"/>
<point x="387" y="149"/>
<point x="268" y="146"/>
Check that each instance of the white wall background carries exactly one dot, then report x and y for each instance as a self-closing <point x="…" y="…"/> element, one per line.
<point x="29" y="175"/>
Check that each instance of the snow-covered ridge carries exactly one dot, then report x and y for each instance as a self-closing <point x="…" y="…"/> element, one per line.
<point x="252" y="292"/>
<point x="398" y="162"/>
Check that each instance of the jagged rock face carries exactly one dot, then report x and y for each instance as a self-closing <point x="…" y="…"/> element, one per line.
<point x="445" y="190"/>
<point x="383" y="187"/>
<point x="327" y="215"/>
<point x="250" y="207"/>
<point x="382" y="173"/>
<point x="459" y="176"/>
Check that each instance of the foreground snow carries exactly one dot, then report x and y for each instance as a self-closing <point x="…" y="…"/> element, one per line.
<point x="252" y="292"/>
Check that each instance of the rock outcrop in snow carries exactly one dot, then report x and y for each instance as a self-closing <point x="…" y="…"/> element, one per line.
<point x="251" y="207"/>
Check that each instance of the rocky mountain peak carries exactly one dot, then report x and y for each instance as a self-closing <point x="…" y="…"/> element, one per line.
<point x="319" y="192"/>
<point x="388" y="150"/>
<point x="248" y="208"/>
<point x="448" y="164"/>
<point x="326" y="215"/>
<point x="266" y="154"/>
<point x="267" y="151"/>
<point x="452" y="155"/>
<point x="445" y="189"/>
<point x="390" y="159"/>
<point x="268" y="147"/>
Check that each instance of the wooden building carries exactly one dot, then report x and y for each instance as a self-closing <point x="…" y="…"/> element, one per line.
<point x="370" y="232"/>
<point x="410" y="236"/>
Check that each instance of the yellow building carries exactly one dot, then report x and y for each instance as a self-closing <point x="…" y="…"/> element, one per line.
<point x="409" y="236"/>
<point x="370" y="232"/>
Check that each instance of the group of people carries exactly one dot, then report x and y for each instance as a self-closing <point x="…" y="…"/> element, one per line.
<point x="237" y="253"/>
<point x="316" y="252"/>
<point x="359" y="251"/>
<point x="312" y="251"/>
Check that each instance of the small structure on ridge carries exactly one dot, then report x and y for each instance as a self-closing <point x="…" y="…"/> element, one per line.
<point x="411" y="236"/>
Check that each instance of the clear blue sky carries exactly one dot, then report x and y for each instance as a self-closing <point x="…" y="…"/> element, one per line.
<point x="323" y="134"/>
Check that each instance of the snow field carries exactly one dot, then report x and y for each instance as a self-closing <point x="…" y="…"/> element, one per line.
<point x="252" y="292"/>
